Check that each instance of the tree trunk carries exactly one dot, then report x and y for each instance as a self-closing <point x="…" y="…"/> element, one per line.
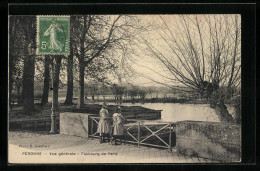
<point x="45" y="94"/>
<point x="56" y="79"/>
<point x="222" y="113"/>
<point x="237" y="106"/>
<point x="81" y="66"/>
<point x="81" y="85"/>
<point x="28" y="85"/>
<point x="11" y="68"/>
<point x="69" y="95"/>
<point x="19" y="95"/>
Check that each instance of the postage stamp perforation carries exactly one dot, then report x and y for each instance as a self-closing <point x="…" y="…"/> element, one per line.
<point x="65" y="45"/>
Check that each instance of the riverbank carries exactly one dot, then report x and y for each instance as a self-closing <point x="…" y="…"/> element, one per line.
<point x="155" y="100"/>
<point x="41" y="112"/>
<point x="171" y="112"/>
<point x="152" y="100"/>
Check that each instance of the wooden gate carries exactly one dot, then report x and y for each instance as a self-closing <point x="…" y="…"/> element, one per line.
<point x="140" y="132"/>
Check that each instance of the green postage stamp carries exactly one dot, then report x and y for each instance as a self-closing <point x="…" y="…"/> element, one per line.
<point x="53" y="35"/>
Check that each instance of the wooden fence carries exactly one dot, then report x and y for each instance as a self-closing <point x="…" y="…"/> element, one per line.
<point x="141" y="132"/>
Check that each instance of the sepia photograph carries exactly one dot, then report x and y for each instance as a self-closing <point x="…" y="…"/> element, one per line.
<point x="125" y="88"/>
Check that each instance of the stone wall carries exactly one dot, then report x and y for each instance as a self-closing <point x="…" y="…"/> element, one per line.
<point x="74" y="124"/>
<point x="216" y="141"/>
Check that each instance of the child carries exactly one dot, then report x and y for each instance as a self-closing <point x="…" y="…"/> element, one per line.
<point x="104" y="126"/>
<point x="118" y="123"/>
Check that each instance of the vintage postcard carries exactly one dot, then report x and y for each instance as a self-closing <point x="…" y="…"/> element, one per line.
<point x="124" y="88"/>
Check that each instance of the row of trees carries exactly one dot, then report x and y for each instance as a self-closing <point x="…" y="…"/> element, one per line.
<point x="200" y="52"/>
<point x="99" y="44"/>
<point x="119" y="92"/>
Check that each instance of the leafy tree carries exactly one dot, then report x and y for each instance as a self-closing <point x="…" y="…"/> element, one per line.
<point x="16" y="53"/>
<point x="22" y="33"/>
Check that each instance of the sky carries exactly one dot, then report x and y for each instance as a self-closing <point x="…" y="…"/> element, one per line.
<point x="146" y="66"/>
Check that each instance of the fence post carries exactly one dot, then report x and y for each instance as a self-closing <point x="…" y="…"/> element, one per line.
<point x="170" y="138"/>
<point x="139" y="131"/>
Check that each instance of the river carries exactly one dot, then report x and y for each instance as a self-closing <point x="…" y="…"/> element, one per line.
<point x="174" y="112"/>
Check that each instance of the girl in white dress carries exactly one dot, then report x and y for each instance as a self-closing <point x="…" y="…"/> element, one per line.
<point x="118" y="123"/>
<point x="104" y="125"/>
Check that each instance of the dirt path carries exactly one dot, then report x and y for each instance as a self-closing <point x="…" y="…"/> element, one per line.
<point x="30" y="147"/>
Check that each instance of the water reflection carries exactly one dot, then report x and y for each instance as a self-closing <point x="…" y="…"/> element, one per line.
<point x="178" y="112"/>
<point x="174" y="112"/>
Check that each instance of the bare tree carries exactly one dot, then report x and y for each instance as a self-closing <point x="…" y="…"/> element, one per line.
<point x="142" y="94"/>
<point x="133" y="92"/>
<point x="118" y="92"/>
<point x="203" y="53"/>
<point x="94" y="36"/>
